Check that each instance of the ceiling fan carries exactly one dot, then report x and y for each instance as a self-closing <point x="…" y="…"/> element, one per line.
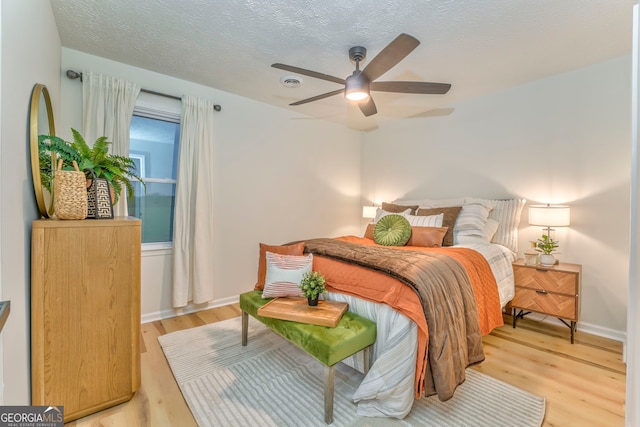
<point x="358" y="85"/>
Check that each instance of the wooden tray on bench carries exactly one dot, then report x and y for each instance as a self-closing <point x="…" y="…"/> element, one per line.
<point x="326" y="313"/>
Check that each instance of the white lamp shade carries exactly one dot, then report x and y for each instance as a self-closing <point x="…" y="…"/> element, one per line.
<point x="369" y="211"/>
<point x="549" y="215"/>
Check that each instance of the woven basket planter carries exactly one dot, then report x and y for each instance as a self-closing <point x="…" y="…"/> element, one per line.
<point x="70" y="193"/>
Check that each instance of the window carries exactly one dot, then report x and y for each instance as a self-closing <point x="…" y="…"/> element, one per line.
<point x="154" y="138"/>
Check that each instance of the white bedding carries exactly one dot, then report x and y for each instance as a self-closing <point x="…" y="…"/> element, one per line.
<point x="388" y="389"/>
<point x="500" y="259"/>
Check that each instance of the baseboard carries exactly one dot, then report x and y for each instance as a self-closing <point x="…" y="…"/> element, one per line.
<point x="589" y="328"/>
<point x="601" y="331"/>
<point x="192" y="308"/>
<point x="606" y="333"/>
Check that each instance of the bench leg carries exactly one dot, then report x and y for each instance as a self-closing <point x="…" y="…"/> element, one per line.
<point x="329" y="374"/>
<point x="366" y="353"/>
<point x="245" y="327"/>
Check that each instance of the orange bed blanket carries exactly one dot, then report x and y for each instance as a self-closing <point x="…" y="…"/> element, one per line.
<point x="379" y="287"/>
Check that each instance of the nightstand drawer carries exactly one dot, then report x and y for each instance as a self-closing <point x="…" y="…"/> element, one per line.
<point x="546" y="279"/>
<point x="547" y="303"/>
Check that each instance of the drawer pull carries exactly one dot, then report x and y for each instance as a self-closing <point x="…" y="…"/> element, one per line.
<point x="541" y="291"/>
<point x="541" y="270"/>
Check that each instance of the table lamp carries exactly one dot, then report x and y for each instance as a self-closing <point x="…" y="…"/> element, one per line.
<point x="369" y="212"/>
<point x="549" y="216"/>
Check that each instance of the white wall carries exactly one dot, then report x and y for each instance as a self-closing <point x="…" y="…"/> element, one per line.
<point x="279" y="177"/>
<point x="30" y="54"/>
<point x="564" y="139"/>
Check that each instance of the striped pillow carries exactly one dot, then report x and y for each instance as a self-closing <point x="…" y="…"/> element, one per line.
<point x="295" y="249"/>
<point x="284" y="274"/>
<point x="472" y="219"/>
<point x="426" y="220"/>
<point x="507" y="213"/>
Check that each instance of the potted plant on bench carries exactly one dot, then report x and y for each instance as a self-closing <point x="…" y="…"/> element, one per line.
<point x="312" y="285"/>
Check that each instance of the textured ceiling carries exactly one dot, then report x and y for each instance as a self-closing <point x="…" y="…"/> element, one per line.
<point x="479" y="46"/>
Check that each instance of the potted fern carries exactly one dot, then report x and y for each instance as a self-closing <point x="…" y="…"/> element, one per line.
<point x="312" y="285"/>
<point x="118" y="170"/>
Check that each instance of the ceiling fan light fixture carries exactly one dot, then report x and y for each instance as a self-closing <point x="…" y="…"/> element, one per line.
<point x="356" y="95"/>
<point x="356" y="88"/>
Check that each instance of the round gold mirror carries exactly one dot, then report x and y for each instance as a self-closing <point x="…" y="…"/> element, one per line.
<point x="41" y="123"/>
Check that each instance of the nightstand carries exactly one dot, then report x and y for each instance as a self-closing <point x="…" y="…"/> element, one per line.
<point x="553" y="290"/>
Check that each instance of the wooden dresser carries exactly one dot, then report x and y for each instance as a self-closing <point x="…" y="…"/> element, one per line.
<point x="85" y="313"/>
<point x="553" y="290"/>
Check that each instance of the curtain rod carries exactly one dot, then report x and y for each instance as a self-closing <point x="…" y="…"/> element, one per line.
<point x="75" y="75"/>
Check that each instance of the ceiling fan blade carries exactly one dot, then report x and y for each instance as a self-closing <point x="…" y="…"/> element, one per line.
<point x="318" y="97"/>
<point x="368" y="108"/>
<point x="411" y="87"/>
<point x="309" y="73"/>
<point x="390" y="56"/>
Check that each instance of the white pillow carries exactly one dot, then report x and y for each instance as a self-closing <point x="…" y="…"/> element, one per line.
<point x="491" y="228"/>
<point x="507" y="213"/>
<point x="487" y="234"/>
<point x="425" y="221"/>
<point x="284" y="274"/>
<point x="472" y="219"/>
<point x="382" y="213"/>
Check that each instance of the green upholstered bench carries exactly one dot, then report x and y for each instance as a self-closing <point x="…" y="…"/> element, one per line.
<point x="328" y="345"/>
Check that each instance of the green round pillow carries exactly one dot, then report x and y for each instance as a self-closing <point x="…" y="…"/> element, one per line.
<point x="392" y="230"/>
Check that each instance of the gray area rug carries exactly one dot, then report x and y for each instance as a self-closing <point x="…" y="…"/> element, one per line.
<point x="273" y="383"/>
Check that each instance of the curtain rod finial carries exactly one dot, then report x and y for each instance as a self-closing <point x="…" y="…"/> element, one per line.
<point x="74" y="75"/>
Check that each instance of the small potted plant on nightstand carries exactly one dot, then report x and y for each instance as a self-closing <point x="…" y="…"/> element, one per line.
<point x="312" y="285"/>
<point x="547" y="246"/>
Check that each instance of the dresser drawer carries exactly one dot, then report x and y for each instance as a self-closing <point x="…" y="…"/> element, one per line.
<point x="553" y="304"/>
<point x="548" y="280"/>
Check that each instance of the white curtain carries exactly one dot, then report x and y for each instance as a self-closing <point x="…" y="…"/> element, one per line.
<point x="107" y="105"/>
<point x="193" y="223"/>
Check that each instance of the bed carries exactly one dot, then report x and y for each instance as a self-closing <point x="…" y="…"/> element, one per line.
<point x="413" y="357"/>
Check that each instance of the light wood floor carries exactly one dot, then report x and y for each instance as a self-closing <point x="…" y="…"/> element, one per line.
<point x="583" y="383"/>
